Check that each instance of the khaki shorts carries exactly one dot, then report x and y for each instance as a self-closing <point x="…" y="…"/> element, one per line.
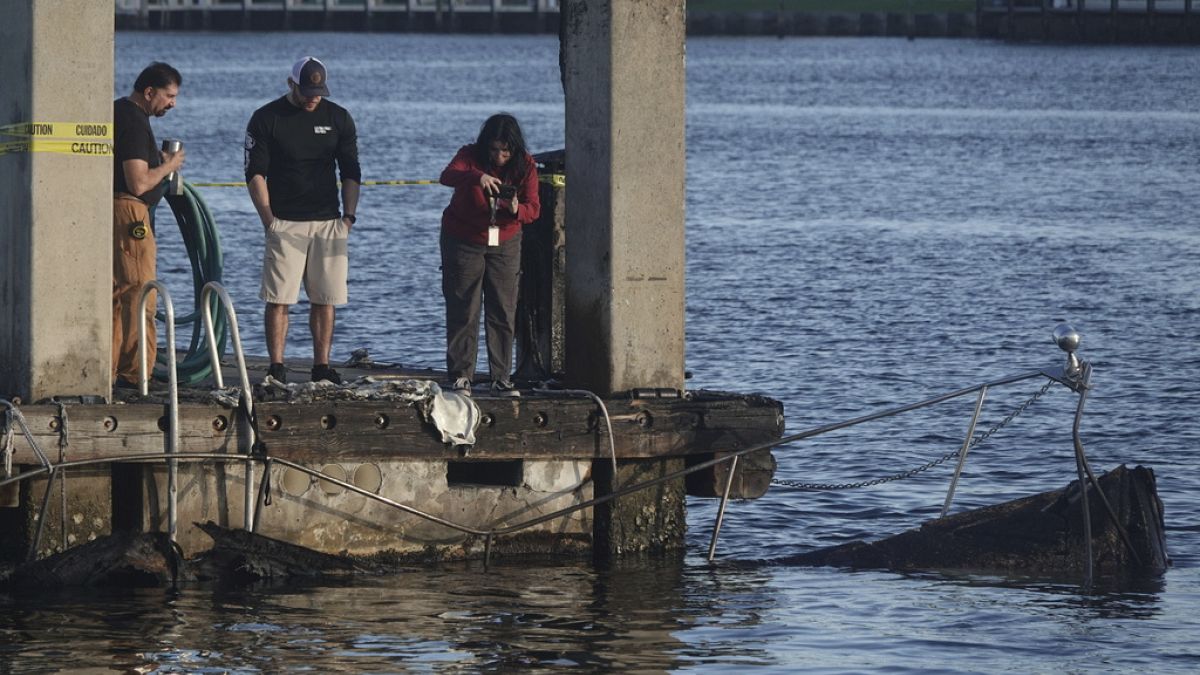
<point x="313" y="251"/>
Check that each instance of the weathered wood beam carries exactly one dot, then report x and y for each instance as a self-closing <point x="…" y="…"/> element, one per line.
<point x="531" y="427"/>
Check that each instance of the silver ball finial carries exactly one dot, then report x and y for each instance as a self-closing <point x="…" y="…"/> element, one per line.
<point x="1067" y="339"/>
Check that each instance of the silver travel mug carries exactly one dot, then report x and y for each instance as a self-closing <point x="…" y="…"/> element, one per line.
<point x="174" y="180"/>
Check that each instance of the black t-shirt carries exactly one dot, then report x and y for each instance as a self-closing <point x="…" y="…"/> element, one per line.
<point x="133" y="139"/>
<point x="295" y="150"/>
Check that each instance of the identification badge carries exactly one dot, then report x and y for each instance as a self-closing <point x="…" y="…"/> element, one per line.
<point x="493" y="235"/>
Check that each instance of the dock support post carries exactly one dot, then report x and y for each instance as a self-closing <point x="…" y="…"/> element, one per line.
<point x="56" y="199"/>
<point x="648" y="522"/>
<point x="625" y="165"/>
<point x="625" y="199"/>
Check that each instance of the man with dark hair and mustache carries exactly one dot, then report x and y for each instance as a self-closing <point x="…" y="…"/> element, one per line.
<point x="139" y="170"/>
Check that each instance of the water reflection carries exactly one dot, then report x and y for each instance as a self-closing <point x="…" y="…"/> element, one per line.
<point x="509" y="617"/>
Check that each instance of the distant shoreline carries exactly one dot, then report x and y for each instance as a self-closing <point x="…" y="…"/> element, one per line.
<point x="1026" y="26"/>
<point x="849" y="24"/>
<point x="699" y="22"/>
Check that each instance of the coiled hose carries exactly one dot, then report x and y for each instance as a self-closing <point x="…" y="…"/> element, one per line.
<point x="203" y="245"/>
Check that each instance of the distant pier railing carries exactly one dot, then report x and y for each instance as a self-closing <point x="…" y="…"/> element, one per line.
<point x="1089" y="20"/>
<point x="1160" y="21"/>
<point x="416" y="15"/>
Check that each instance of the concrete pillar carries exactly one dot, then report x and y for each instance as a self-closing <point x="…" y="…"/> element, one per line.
<point x="56" y="200"/>
<point x="624" y="79"/>
<point x="649" y="522"/>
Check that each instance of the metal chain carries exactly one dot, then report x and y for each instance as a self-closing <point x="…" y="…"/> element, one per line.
<point x="924" y="467"/>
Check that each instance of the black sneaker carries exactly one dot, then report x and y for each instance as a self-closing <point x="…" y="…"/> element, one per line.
<point x="278" y="371"/>
<point x="122" y="383"/>
<point x="504" y="388"/>
<point x="324" y="372"/>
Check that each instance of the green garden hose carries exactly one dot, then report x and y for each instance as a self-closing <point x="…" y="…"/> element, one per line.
<point x="203" y="245"/>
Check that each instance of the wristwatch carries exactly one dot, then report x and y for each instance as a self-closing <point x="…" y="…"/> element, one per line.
<point x="350" y="217"/>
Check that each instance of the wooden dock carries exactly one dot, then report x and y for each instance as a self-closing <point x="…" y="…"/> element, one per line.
<point x="542" y="451"/>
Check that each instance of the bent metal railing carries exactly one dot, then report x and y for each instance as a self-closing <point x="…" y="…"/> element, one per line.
<point x="246" y="400"/>
<point x="1076" y="375"/>
<point x="172" y="440"/>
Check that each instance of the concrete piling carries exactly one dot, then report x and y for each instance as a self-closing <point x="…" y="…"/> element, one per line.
<point x="624" y="72"/>
<point x="56" y="199"/>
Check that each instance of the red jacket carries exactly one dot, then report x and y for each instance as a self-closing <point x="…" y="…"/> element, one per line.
<point x="467" y="217"/>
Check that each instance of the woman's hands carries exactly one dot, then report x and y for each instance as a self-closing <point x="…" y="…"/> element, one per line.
<point x="490" y="185"/>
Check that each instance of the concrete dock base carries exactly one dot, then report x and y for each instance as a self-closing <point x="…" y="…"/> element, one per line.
<point x="322" y="515"/>
<point x="88" y="510"/>
<point x="346" y="476"/>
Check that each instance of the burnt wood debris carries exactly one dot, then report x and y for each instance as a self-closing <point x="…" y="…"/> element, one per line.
<point x="149" y="559"/>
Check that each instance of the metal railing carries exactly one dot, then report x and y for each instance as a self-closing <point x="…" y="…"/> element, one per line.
<point x="172" y="440"/>
<point x="246" y="400"/>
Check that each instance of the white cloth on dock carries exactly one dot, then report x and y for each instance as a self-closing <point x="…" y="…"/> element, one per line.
<point x="456" y="416"/>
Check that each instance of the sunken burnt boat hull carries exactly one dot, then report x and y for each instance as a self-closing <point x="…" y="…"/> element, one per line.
<point x="1038" y="535"/>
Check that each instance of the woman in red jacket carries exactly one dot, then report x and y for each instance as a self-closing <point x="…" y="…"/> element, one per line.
<point x="495" y="193"/>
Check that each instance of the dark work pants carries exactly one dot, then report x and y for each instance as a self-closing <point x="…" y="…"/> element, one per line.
<point x="469" y="272"/>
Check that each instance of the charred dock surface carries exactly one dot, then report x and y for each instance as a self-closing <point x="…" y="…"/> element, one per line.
<point x="1041" y="535"/>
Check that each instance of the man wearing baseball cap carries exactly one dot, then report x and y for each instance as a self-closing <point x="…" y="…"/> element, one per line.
<point x="295" y="146"/>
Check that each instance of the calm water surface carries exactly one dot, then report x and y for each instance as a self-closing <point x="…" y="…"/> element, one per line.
<point x="869" y="222"/>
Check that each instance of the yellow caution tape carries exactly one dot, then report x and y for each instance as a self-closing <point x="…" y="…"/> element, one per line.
<point x="77" y="147"/>
<point x="365" y="182"/>
<point x="399" y="182"/>
<point x="556" y="180"/>
<point x="89" y="139"/>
